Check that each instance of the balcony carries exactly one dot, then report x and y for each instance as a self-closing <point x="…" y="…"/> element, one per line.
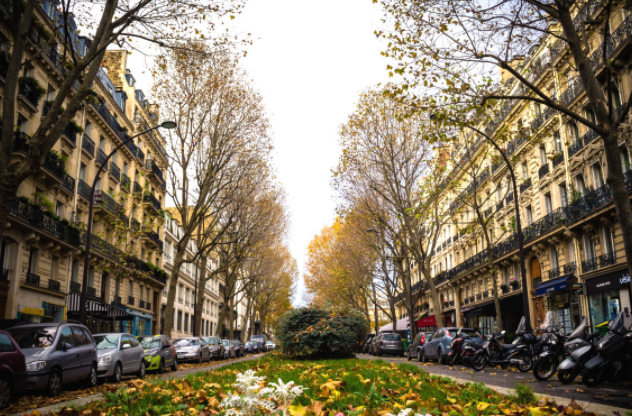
<point x="152" y="202"/>
<point x="118" y="300"/>
<point x="135" y="225"/>
<point x="44" y="222"/>
<point x="111" y="121"/>
<point x="544" y="170"/>
<point x="180" y="300"/>
<point x="545" y="224"/>
<point x="557" y="159"/>
<point x="109" y="205"/>
<point x="88" y="146"/>
<point x="526" y="184"/>
<point x="101" y="157"/>
<point x="68" y="184"/>
<point x="115" y="172"/>
<point x="536" y="123"/>
<point x="537" y="281"/>
<point x="138" y="189"/>
<point x="84" y="190"/>
<point x="607" y="259"/>
<point x="148" y="305"/>
<point x="102" y="247"/>
<point x="4" y="275"/>
<point x="34" y="280"/>
<point x="21" y="142"/>
<point x="130" y="300"/>
<point x="575" y="147"/>
<point x="125" y="183"/>
<point x="141" y="304"/>
<point x="591" y="202"/>
<point x="589" y="265"/>
<point x="55" y="167"/>
<point x="75" y="286"/>
<point x="29" y="94"/>
<point x="152" y="237"/>
<point x="509" y="198"/>
<point x="187" y="303"/>
<point x="151" y="165"/>
<point x="70" y="135"/>
<point x="91" y="291"/>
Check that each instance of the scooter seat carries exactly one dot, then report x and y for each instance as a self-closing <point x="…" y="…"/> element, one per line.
<point x="508" y="346"/>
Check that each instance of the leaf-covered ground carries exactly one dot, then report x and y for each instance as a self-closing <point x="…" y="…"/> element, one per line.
<point x="353" y="387"/>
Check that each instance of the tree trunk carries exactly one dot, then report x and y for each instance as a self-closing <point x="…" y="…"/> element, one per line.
<point x="244" y="332"/>
<point x="173" y="287"/>
<point x="376" y="315"/>
<point x="231" y="322"/>
<point x="201" y="292"/>
<point x="222" y="317"/>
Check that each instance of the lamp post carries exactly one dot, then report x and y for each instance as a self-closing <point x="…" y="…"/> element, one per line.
<point x="523" y="270"/>
<point x="86" y="259"/>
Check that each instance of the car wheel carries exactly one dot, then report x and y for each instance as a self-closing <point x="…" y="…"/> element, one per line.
<point x="118" y="373"/>
<point x="142" y="371"/>
<point x="200" y="359"/>
<point x="440" y="356"/>
<point x="408" y="356"/>
<point x="92" y="377"/>
<point x="420" y="356"/>
<point x="5" y="392"/>
<point x="161" y="366"/>
<point x="174" y="366"/>
<point x="54" y="383"/>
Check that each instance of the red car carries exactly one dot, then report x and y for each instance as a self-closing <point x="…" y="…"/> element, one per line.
<point x="12" y="369"/>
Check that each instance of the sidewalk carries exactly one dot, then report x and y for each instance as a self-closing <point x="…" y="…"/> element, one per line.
<point x="96" y="397"/>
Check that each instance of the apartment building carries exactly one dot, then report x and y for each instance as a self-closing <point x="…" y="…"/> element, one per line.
<point x="189" y="274"/>
<point x="574" y="256"/>
<point x="41" y="255"/>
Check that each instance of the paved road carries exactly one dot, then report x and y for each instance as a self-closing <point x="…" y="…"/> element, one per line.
<point x="616" y="395"/>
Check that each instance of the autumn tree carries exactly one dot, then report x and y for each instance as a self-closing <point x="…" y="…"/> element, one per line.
<point x="450" y="53"/>
<point x="49" y="28"/>
<point x="387" y="170"/>
<point x="219" y="152"/>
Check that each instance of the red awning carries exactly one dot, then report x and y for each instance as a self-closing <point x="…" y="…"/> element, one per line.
<point x="427" y="321"/>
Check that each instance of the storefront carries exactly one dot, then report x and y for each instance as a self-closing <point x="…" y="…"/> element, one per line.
<point x="481" y="316"/>
<point x="100" y="317"/>
<point x="140" y="324"/>
<point x="48" y="312"/>
<point x="607" y="295"/>
<point x="559" y="297"/>
<point x="426" y="323"/>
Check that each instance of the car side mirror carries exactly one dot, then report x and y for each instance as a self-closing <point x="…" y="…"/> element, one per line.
<point x="126" y="346"/>
<point x="65" y="346"/>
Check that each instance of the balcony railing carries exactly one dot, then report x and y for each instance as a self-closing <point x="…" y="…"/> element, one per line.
<point x="69" y="183"/>
<point x="30" y="93"/>
<point x="544" y="170"/>
<point x="509" y="198"/>
<point x="101" y="157"/>
<point x="130" y="300"/>
<point x="570" y="268"/>
<point x="70" y="134"/>
<point x="557" y="159"/>
<point x="21" y="142"/>
<point x="75" y="286"/>
<point x="575" y="147"/>
<point x="84" y="190"/>
<point x="537" y="123"/>
<point x="592" y="201"/>
<point x="545" y="224"/>
<point x="148" y="305"/>
<point x="141" y="304"/>
<point x="33" y="279"/>
<point x="150" y="164"/>
<point x="54" y="165"/>
<point x="88" y="145"/>
<point x="115" y="172"/>
<point x="607" y="259"/>
<point x="589" y="265"/>
<point x="4" y="275"/>
<point x="138" y="189"/>
<point x="526" y="184"/>
<point x="151" y="200"/>
<point x="91" y="291"/>
<point x="125" y="182"/>
<point x="42" y="221"/>
<point x="102" y="199"/>
<point x="537" y="281"/>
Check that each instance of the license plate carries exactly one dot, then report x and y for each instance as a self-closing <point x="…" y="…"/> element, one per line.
<point x="392" y="346"/>
<point x="181" y="356"/>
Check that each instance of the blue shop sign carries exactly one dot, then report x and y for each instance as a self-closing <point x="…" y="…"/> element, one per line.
<point x="553" y="285"/>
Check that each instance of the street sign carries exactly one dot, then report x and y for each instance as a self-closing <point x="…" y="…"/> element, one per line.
<point x="578" y="288"/>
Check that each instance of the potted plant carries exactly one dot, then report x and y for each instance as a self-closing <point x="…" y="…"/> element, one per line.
<point x="504" y="288"/>
<point x="514" y="283"/>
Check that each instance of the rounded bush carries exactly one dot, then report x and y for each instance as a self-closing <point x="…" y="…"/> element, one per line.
<point x="314" y="332"/>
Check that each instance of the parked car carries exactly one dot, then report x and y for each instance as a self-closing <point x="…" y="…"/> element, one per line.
<point x="270" y="345"/>
<point x="387" y="344"/>
<point x="251" y="347"/>
<point x="118" y="355"/>
<point x="240" y="350"/>
<point x="57" y="354"/>
<point x="438" y="346"/>
<point x="216" y="348"/>
<point x="12" y="369"/>
<point x="367" y="345"/>
<point x="259" y="339"/>
<point x="229" y="350"/>
<point x="159" y="352"/>
<point x="192" y="349"/>
<point x="414" y="349"/>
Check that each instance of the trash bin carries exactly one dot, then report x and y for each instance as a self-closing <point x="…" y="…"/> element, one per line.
<point x="405" y="345"/>
<point x="602" y="329"/>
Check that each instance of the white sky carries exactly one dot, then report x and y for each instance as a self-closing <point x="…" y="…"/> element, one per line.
<point x="310" y="59"/>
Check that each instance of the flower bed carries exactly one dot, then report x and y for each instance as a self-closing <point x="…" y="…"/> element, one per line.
<point x="310" y="388"/>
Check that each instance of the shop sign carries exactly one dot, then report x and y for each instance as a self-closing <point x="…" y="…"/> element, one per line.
<point x="32" y="311"/>
<point x="578" y="288"/>
<point x="611" y="281"/>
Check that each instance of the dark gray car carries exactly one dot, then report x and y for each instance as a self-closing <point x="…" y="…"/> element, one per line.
<point x="119" y="354"/>
<point x="57" y="354"/>
<point x="240" y="349"/>
<point x="391" y="344"/>
<point x="438" y="346"/>
<point x="229" y="349"/>
<point x="192" y="349"/>
<point x="216" y="348"/>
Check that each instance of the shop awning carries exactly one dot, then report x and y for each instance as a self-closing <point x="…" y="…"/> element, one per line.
<point x="402" y="325"/>
<point x="552" y="285"/>
<point x="96" y="308"/>
<point x="427" y="321"/>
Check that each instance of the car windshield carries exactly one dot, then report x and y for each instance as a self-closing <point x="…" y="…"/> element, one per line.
<point x="257" y="339"/>
<point x="34" y="337"/>
<point x="391" y="337"/>
<point x="469" y="333"/>
<point x="211" y="341"/>
<point x="269" y="342"/>
<point x="150" y="342"/>
<point x="251" y="343"/>
<point x="235" y="342"/>
<point x="106" y="342"/>
<point x="186" y="342"/>
<point x="225" y="342"/>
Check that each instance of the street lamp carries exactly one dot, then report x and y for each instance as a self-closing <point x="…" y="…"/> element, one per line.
<point x="84" y="289"/>
<point x="523" y="270"/>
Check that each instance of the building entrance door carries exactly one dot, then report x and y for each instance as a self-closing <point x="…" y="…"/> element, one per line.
<point x="538" y="310"/>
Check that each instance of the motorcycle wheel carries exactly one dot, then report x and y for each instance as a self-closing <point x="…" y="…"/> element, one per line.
<point x="568" y="376"/>
<point x="590" y="379"/>
<point x="545" y="367"/>
<point x="478" y="363"/>
<point x="528" y="363"/>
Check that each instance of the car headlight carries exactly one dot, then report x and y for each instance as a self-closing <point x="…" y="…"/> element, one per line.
<point x="105" y="359"/>
<point x="36" y="366"/>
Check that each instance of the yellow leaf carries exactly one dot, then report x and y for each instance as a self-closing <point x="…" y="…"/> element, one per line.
<point x="482" y="406"/>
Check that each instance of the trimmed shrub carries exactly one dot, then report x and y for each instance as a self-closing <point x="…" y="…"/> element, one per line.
<point x="314" y="332"/>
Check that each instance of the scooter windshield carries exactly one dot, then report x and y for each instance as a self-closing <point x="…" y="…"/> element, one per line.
<point x="579" y="331"/>
<point x="619" y="323"/>
<point x="550" y="320"/>
<point x="522" y="327"/>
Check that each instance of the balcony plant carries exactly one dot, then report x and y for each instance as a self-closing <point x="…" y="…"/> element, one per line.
<point x="514" y="283"/>
<point x="39" y="91"/>
<point x="75" y="127"/>
<point x="504" y="287"/>
<point x="43" y="203"/>
<point x="24" y="199"/>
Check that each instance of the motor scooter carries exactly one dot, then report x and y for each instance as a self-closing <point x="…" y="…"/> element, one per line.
<point x="552" y="341"/>
<point x="461" y="351"/>
<point x="494" y="352"/>
<point x="579" y="348"/>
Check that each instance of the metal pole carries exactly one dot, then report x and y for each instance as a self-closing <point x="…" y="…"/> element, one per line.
<point x="86" y="258"/>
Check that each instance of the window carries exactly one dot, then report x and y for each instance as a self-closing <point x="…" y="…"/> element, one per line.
<point x="597" y="175"/>
<point x="179" y="320"/>
<point x="66" y="337"/>
<point x="615" y="97"/>
<point x="125" y="168"/>
<point x="563" y="194"/>
<point x="608" y="238"/>
<point x="571" y="252"/>
<point x="557" y="143"/>
<point x="142" y="293"/>
<point x="525" y="171"/>
<point x="82" y="172"/>
<point x="573" y="131"/>
<point x="59" y="209"/>
<point x="131" y="288"/>
<point x="54" y="265"/>
<point x="580" y="184"/>
<point x="186" y="322"/>
<point x="91" y="277"/>
<point x="529" y="213"/>
<point x="554" y="262"/>
<point x="5" y="344"/>
<point x="548" y="206"/>
<point x="625" y="158"/>
<point x="589" y="248"/>
<point x="80" y="337"/>
<point x="590" y="115"/>
<point x="33" y="260"/>
<point x="543" y="159"/>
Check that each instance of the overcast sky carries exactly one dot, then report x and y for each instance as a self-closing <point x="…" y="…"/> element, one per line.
<point x="310" y="59"/>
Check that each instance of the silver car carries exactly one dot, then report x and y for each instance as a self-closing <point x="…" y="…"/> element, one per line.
<point x="229" y="351"/>
<point x="192" y="349"/>
<point x="118" y="355"/>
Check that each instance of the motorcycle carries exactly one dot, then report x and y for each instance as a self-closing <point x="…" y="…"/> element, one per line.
<point x="494" y="352"/>
<point x="614" y="354"/>
<point x="578" y="350"/>
<point x="552" y="347"/>
<point x="461" y="350"/>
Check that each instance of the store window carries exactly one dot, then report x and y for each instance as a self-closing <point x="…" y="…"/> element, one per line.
<point x="604" y="306"/>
